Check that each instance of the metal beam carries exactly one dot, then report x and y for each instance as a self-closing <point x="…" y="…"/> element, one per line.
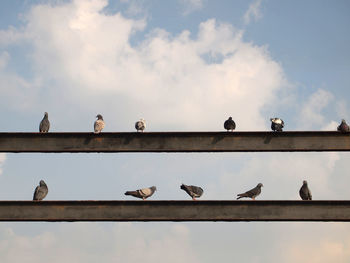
<point x="175" y="142"/>
<point x="175" y="211"/>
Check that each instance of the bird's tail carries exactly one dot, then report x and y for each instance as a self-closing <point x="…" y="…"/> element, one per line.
<point x="241" y="196"/>
<point x="131" y="193"/>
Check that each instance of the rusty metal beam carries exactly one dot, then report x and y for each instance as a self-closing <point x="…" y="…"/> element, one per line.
<point x="176" y="142"/>
<point x="175" y="211"/>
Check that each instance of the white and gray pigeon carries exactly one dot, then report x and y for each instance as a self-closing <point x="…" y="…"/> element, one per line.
<point x="305" y="192"/>
<point x="193" y="191"/>
<point x="277" y="124"/>
<point x="140" y="125"/>
<point x="229" y="124"/>
<point x="40" y="191"/>
<point x="251" y="193"/>
<point x="99" y="124"/>
<point x="45" y="123"/>
<point x="343" y="127"/>
<point x="143" y="193"/>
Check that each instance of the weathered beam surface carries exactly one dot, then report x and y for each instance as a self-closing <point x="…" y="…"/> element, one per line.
<point x="175" y="142"/>
<point x="175" y="211"/>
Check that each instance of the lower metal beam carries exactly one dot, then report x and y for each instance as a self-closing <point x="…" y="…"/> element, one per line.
<point x="175" y="211"/>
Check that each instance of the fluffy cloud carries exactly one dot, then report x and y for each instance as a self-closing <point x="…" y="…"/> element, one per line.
<point x="311" y="113"/>
<point x="253" y="12"/>
<point x="85" y="57"/>
<point x="121" y="242"/>
<point x="191" y="5"/>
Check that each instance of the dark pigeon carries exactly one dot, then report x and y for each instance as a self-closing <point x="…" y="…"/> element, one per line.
<point x="140" y="125"/>
<point x="230" y="124"/>
<point x="251" y="193"/>
<point x="193" y="191"/>
<point x="40" y="191"/>
<point x="99" y="124"/>
<point x="277" y="124"/>
<point x="343" y="127"/>
<point x="45" y="123"/>
<point x="305" y="192"/>
<point x="143" y="193"/>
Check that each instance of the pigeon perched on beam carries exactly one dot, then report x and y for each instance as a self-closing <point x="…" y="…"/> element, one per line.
<point x="140" y="125"/>
<point x="305" y="192"/>
<point x="143" y="193"/>
<point x="99" y="124"/>
<point x="251" y="193"/>
<point x="229" y="124"/>
<point x="45" y="123"/>
<point x="343" y="127"/>
<point x="193" y="191"/>
<point x="277" y="124"/>
<point x="40" y="191"/>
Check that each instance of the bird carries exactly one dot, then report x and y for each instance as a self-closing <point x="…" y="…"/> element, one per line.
<point x="251" y="193"/>
<point x="45" y="123"/>
<point x="277" y="124"/>
<point x="140" y="125"/>
<point x="40" y="191"/>
<point x="193" y="191"/>
<point x="143" y="193"/>
<point x="305" y="192"/>
<point x="343" y="126"/>
<point x="99" y="124"/>
<point x="229" y="124"/>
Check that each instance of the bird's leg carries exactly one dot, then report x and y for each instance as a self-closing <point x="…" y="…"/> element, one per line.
<point x="253" y="198"/>
<point x="193" y="198"/>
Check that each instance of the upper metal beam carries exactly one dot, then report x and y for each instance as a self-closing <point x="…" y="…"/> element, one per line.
<point x="175" y="142"/>
<point x="175" y="211"/>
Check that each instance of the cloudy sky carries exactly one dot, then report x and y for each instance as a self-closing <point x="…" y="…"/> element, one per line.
<point x="183" y="65"/>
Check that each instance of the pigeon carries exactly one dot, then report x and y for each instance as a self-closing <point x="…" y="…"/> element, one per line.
<point x="230" y="124"/>
<point x="99" y="124"/>
<point x="143" y="193"/>
<point x="343" y="127"/>
<point x="40" y="191"/>
<point x="251" y="193"/>
<point x="305" y="192"/>
<point x="45" y="123"/>
<point x="277" y="124"/>
<point x="140" y="125"/>
<point x="193" y="191"/>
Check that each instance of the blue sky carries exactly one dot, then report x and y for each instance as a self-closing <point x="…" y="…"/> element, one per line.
<point x="182" y="65"/>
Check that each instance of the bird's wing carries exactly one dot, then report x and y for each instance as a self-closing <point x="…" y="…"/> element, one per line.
<point x="309" y="194"/>
<point x="251" y="192"/>
<point x="146" y="192"/>
<point x="99" y="125"/>
<point x="196" y="190"/>
<point x="36" y="193"/>
<point x="41" y="126"/>
<point x="226" y="124"/>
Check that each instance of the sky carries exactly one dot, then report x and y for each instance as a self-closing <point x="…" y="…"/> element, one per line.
<point x="182" y="65"/>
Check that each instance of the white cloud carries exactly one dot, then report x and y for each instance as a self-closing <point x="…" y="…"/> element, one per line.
<point x="122" y="242"/>
<point x="319" y="244"/>
<point x="253" y="12"/>
<point x="176" y="81"/>
<point x="191" y="5"/>
<point x="311" y="113"/>
<point x="135" y="7"/>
